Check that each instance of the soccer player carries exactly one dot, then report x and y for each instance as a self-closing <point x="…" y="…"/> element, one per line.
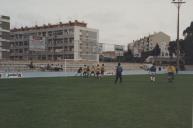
<point x="171" y="71"/>
<point x="119" y="71"/>
<point x="152" y="71"/>
<point x="92" y="73"/>
<point x="79" y="72"/>
<point x="87" y="71"/>
<point x="98" y="69"/>
<point x="102" y="70"/>
<point x="84" y="71"/>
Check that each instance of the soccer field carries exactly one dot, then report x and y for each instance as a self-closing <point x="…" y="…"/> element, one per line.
<point x="75" y="102"/>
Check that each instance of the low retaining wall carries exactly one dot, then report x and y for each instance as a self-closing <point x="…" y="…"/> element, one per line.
<point x="68" y="74"/>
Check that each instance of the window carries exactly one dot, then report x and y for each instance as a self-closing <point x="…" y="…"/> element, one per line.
<point x="25" y="36"/>
<point x="16" y="36"/>
<point x="71" y="48"/>
<point x="43" y="33"/>
<point x="71" y="31"/>
<point x="50" y="33"/>
<point x="20" y="51"/>
<point x="71" y="40"/>
<point x="5" y="35"/>
<point x="59" y="32"/>
<point x="25" y="50"/>
<point x="20" y="43"/>
<point x="5" y="25"/>
<point x="65" y="40"/>
<point x="20" y="36"/>
<point x="5" y="17"/>
<point x="25" y="43"/>
<point x="65" y="31"/>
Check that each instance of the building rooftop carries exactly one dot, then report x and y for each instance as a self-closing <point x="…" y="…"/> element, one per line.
<point x="60" y="24"/>
<point x="5" y="17"/>
<point x="149" y="36"/>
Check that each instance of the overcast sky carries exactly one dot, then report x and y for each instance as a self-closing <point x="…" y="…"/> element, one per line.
<point x="118" y="21"/>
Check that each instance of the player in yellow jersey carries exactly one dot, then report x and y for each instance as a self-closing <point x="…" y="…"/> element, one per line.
<point x="92" y="73"/>
<point x="98" y="69"/>
<point x="171" y="70"/>
<point x="87" y="71"/>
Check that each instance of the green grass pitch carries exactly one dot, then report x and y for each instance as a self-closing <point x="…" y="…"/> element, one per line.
<point x="75" y="102"/>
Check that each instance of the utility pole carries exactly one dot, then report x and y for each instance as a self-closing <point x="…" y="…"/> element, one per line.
<point x="178" y="3"/>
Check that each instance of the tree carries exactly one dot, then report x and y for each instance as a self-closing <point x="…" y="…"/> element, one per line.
<point x="128" y="55"/>
<point x="156" y="51"/>
<point x="188" y="44"/>
<point x="188" y="32"/>
<point x="172" y="48"/>
<point x="146" y="54"/>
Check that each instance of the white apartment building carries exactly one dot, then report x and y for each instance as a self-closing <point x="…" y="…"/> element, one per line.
<point x="72" y="40"/>
<point x="4" y="37"/>
<point x="148" y="43"/>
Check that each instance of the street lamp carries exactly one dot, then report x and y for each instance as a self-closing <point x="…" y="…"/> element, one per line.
<point x="178" y="3"/>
